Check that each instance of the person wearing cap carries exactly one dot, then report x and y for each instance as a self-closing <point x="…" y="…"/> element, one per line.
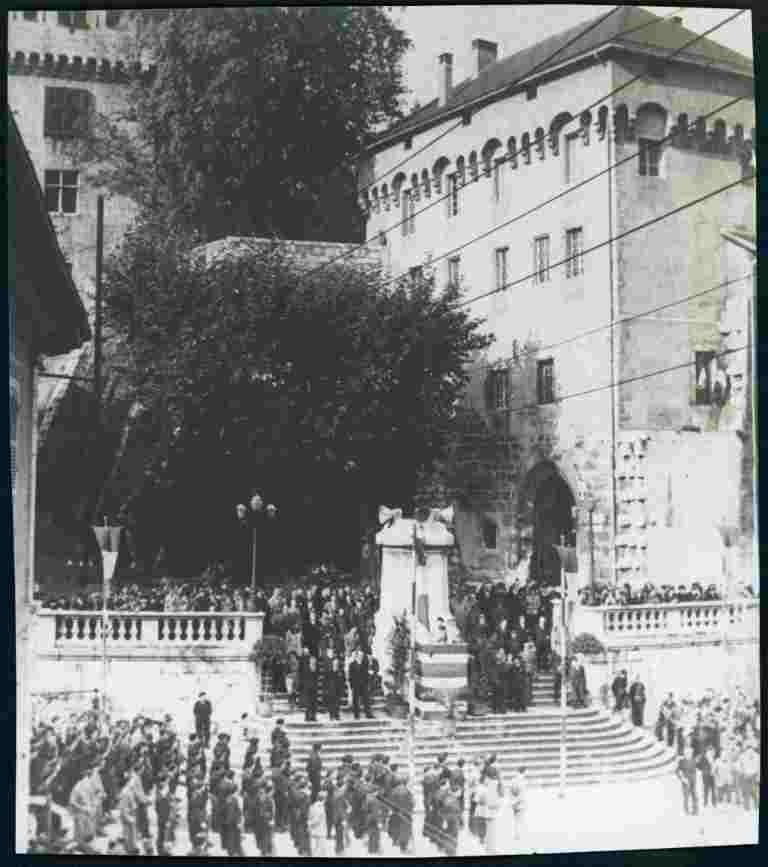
<point x="202" y="712"/>
<point x="221" y="750"/>
<point x="309" y="688"/>
<point x="315" y="770"/>
<point x="163" y="812"/>
<point x="281" y="747"/>
<point x="400" y="801"/>
<point x="489" y="805"/>
<point x="230" y="817"/>
<point x="619" y="690"/>
<point x="264" y="819"/>
<point x="197" y="808"/>
<point x="195" y="753"/>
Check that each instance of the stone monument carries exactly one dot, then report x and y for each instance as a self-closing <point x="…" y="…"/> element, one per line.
<point x="414" y="584"/>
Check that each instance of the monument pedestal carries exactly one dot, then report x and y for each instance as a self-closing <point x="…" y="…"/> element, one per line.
<point x="414" y="585"/>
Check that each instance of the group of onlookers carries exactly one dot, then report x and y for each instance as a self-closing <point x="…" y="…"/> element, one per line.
<point x="717" y="739"/>
<point x="165" y="595"/>
<point x="653" y="594"/>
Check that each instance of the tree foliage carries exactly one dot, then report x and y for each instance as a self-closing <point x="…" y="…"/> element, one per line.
<point x="324" y="390"/>
<point x="254" y="117"/>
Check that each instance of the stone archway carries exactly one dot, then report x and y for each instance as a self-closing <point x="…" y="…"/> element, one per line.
<point x="545" y="519"/>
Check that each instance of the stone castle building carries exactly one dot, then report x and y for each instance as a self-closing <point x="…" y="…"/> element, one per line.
<point x="620" y="426"/>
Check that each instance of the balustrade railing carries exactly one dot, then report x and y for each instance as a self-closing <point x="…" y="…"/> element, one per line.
<point x="611" y="623"/>
<point x="63" y="629"/>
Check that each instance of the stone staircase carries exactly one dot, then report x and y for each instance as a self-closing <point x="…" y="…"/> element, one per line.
<point x="600" y="747"/>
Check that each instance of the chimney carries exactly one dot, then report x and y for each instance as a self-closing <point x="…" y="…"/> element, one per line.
<point x="485" y="53"/>
<point x="444" y="78"/>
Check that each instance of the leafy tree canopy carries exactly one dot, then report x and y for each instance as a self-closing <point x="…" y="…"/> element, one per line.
<point x="324" y="390"/>
<point x="254" y="117"/>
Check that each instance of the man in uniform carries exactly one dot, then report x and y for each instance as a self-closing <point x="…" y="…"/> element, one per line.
<point x="637" y="700"/>
<point x="202" y="712"/>
<point x="686" y="772"/>
<point x="315" y="770"/>
<point x="309" y="687"/>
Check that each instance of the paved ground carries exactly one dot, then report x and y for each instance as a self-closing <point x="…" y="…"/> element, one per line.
<point x="592" y="818"/>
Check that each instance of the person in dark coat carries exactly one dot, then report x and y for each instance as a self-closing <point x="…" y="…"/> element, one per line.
<point x="309" y="686"/>
<point x="542" y="643"/>
<point x="231" y="816"/>
<point x="619" y="690"/>
<point x="339" y="813"/>
<point x="637" y="700"/>
<point x="705" y="765"/>
<point x="359" y="682"/>
<point x="264" y="819"/>
<point x="686" y="772"/>
<point x="401" y="804"/>
<point x="334" y="688"/>
<point x="579" y="680"/>
<point x="315" y="771"/>
<point x="518" y="685"/>
<point x="163" y="811"/>
<point x="202" y="712"/>
<point x="498" y="679"/>
<point x="197" y="804"/>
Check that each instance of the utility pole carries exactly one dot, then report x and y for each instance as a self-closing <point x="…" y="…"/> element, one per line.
<point x="564" y="680"/>
<point x="97" y="340"/>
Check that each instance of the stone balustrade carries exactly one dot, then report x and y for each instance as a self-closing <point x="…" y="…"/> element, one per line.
<point x="146" y="631"/>
<point x="621" y="625"/>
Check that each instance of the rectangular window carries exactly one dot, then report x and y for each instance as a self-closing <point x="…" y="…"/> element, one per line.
<point x="61" y="189"/>
<point x="541" y="259"/>
<point x="531" y="92"/>
<point x="574" y="252"/>
<point x="454" y="264"/>
<point x="500" y="261"/>
<point x="545" y="381"/>
<point x="113" y="17"/>
<point x="67" y="112"/>
<point x="649" y="157"/>
<point x="453" y="195"/>
<point x="76" y="20"/>
<point x="497" y="179"/>
<point x="29" y="16"/>
<point x="705" y="361"/>
<point x="572" y="168"/>
<point x="497" y="385"/>
<point x="408" y="222"/>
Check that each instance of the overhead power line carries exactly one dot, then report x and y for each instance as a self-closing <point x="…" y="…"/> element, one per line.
<point x="531" y="71"/>
<point x="613" y="238"/>
<point x="520" y="150"/>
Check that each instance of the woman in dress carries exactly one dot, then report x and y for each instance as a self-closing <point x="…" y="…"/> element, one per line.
<point x="317" y="827"/>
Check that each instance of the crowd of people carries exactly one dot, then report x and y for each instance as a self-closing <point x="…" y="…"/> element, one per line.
<point x="164" y="595"/>
<point x="507" y="630"/>
<point x="717" y="740"/>
<point x="655" y="594"/>
<point x="132" y="786"/>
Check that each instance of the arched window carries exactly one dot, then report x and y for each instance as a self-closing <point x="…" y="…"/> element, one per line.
<point x="385" y="196"/>
<point x="489" y="149"/>
<point x="415" y="188"/>
<point x="555" y="128"/>
<point x="585" y="124"/>
<point x="397" y="185"/>
<point x="718" y="136"/>
<point x="540" y="142"/>
<point x="461" y="171"/>
<point x="525" y="146"/>
<point x="512" y="151"/>
<point x="473" y="167"/>
<point x="602" y="121"/>
<point x="426" y="183"/>
<point x="438" y="170"/>
<point x="375" y="200"/>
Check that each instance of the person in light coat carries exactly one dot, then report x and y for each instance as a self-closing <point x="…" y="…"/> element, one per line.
<point x="517" y="792"/>
<point x="489" y="805"/>
<point x="82" y="810"/>
<point x="317" y="827"/>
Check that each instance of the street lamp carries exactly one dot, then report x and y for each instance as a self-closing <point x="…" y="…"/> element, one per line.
<point x="257" y="517"/>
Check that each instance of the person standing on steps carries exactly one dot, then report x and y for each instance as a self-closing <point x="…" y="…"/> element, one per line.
<point x="686" y="772"/>
<point x="619" y="690"/>
<point x="315" y="771"/>
<point x="358" y="682"/>
<point x="202" y="712"/>
<point x="309" y="686"/>
<point x="637" y="700"/>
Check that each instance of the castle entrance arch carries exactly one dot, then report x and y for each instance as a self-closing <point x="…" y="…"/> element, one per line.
<point x="545" y="518"/>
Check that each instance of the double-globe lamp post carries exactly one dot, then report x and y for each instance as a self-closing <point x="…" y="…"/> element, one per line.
<point x="257" y="517"/>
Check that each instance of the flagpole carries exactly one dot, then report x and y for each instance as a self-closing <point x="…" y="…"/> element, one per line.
<point x="412" y="679"/>
<point x="104" y="630"/>
<point x="564" y="682"/>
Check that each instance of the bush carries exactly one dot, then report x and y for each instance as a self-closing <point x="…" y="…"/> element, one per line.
<point x="586" y="644"/>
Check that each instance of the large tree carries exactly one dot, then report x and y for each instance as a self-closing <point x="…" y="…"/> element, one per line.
<point x="327" y="391"/>
<point x="254" y="117"/>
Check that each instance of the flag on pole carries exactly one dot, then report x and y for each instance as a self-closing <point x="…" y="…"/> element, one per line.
<point x="568" y="559"/>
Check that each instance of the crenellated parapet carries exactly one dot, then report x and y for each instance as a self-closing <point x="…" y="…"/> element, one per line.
<point x="703" y="134"/>
<point x="76" y="68"/>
